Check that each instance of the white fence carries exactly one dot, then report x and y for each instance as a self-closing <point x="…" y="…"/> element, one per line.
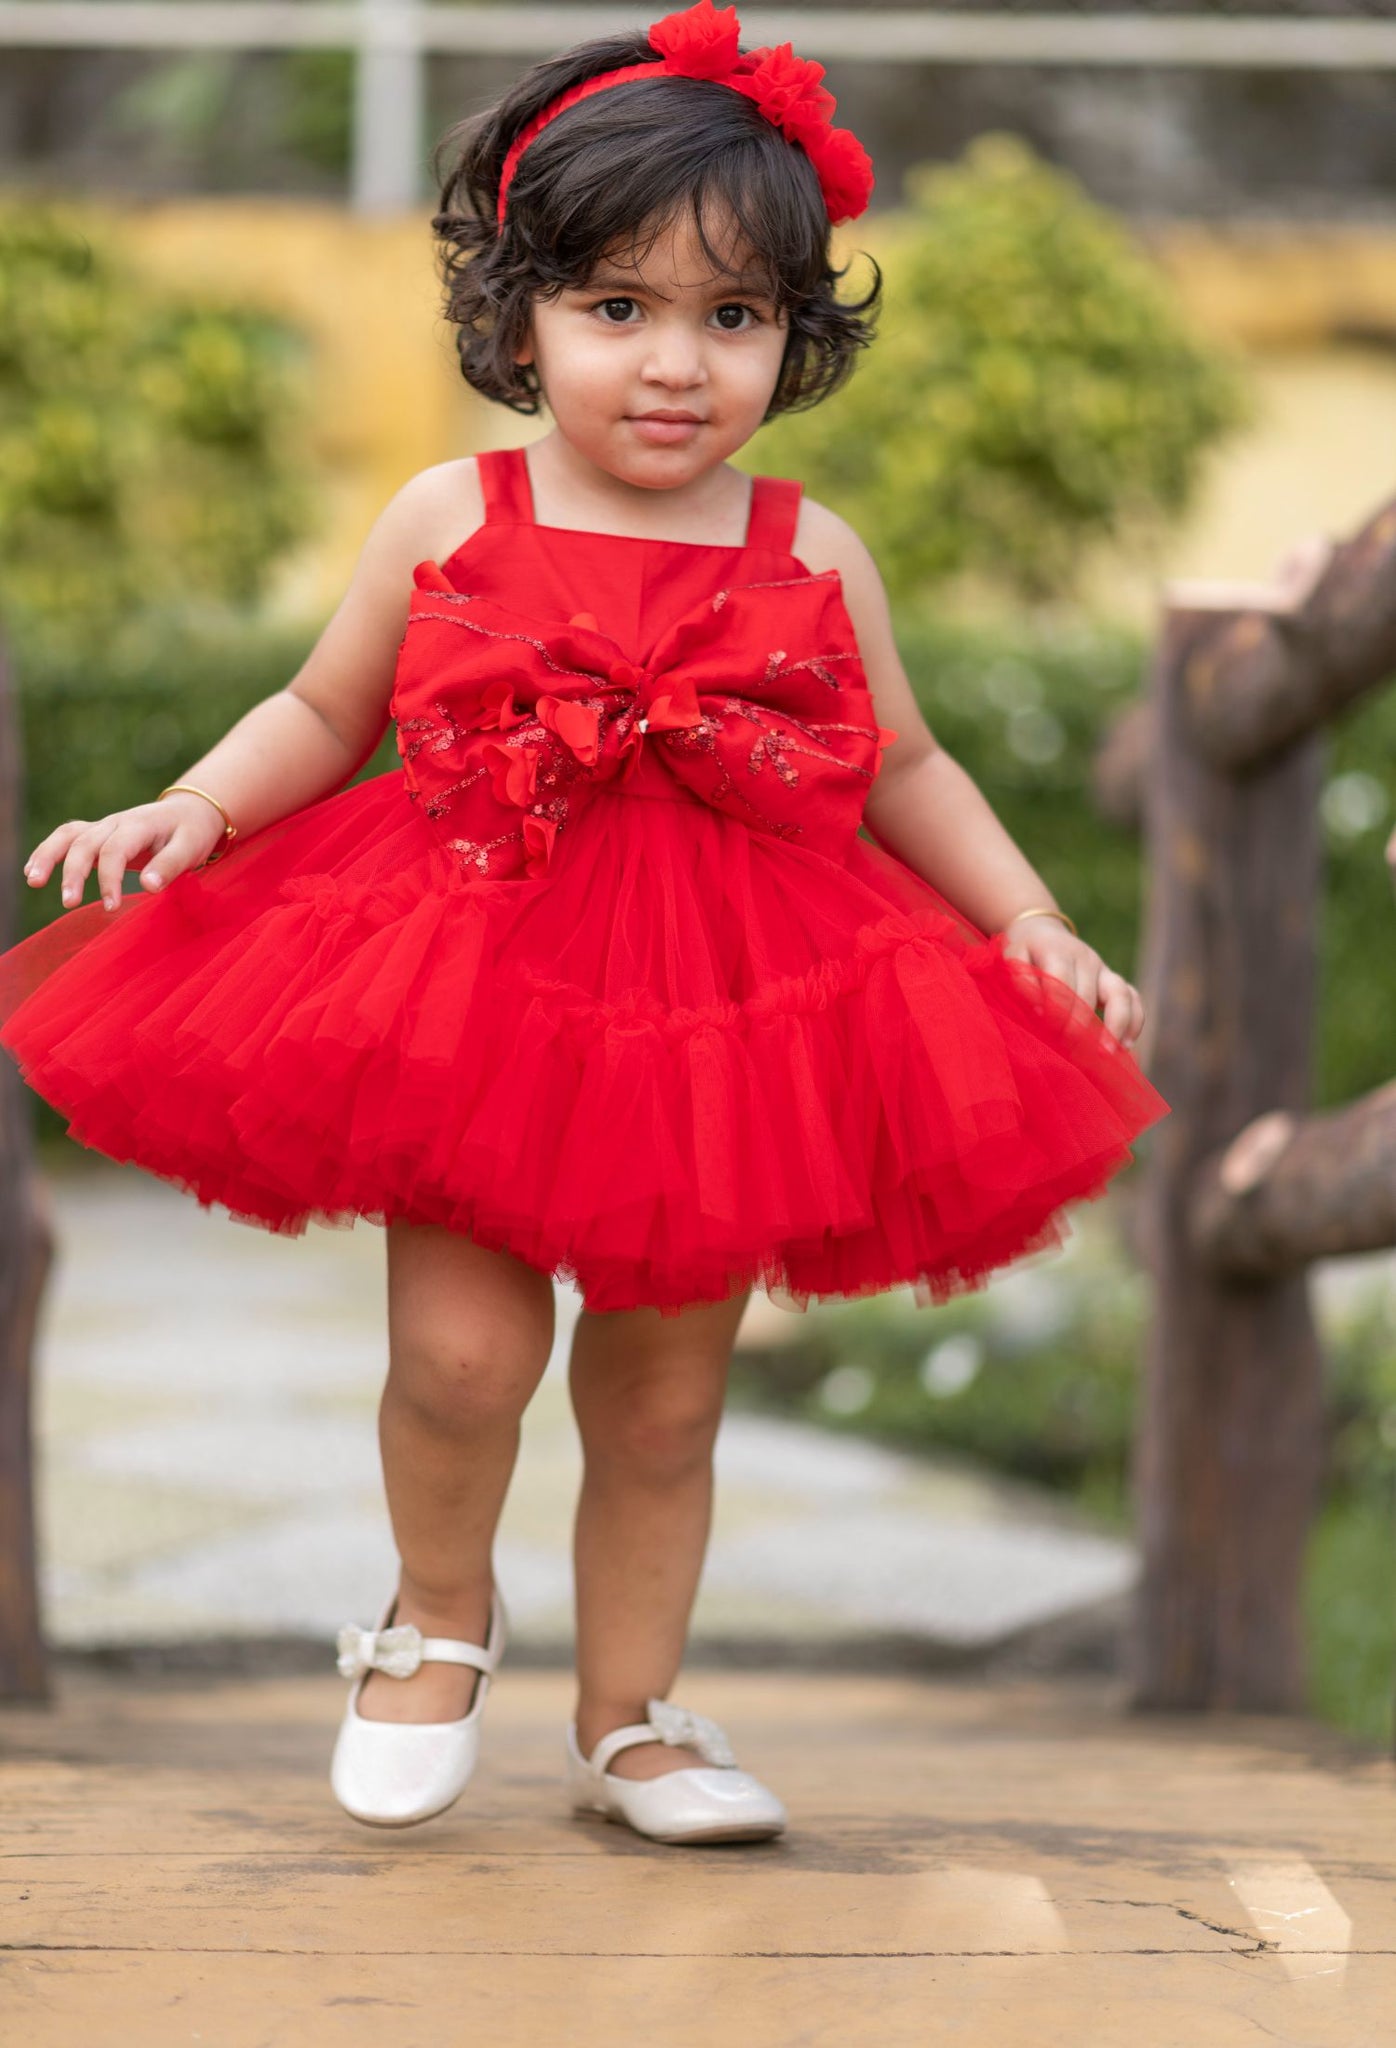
<point x="392" y="37"/>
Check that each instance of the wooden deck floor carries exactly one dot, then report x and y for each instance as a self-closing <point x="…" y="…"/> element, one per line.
<point x="990" y="1864"/>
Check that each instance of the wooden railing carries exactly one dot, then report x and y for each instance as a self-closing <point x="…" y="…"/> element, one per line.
<point x="1244" y="1186"/>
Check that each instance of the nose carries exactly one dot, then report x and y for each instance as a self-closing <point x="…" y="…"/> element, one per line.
<point x="675" y="357"/>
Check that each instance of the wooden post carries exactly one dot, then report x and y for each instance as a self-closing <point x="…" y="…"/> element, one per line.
<point x="26" y="1255"/>
<point x="1228" y="1450"/>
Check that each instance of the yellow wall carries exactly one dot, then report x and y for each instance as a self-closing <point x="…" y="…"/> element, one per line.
<point x="1316" y="312"/>
<point x="390" y="398"/>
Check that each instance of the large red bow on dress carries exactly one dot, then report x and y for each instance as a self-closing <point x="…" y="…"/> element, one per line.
<point x="508" y="725"/>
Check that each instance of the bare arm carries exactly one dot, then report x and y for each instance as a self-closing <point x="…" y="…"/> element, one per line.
<point x="929" y="811"/>
<point x="305" y="740"/>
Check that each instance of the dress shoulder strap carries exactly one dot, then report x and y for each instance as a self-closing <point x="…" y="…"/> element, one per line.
<point x="775" y="508"/>
<point x="504" y="481"/>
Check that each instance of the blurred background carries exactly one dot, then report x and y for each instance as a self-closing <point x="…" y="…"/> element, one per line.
<point x="1140" y="324"/>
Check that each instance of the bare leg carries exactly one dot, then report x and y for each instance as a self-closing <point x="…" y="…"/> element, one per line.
<point x="647" y="1391"/>
<point x="470" y="1331"/>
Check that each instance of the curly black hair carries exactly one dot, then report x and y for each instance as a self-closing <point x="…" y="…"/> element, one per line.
<point x="615" y="170"/>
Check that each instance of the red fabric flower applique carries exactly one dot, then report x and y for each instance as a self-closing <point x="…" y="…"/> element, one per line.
<point x="788" y="92"/>
<point x="700" y="41"/>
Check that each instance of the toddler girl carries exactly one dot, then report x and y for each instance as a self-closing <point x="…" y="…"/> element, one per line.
<point x="603" y="982"/>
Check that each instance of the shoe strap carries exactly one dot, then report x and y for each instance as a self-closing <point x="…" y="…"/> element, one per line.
<point x="444" y="1650"/>
<point x="450" y="1650"/>
<point x="667" y="1723"/>
<point x="617" y="1740"/>
<point x="373" y="1649"/>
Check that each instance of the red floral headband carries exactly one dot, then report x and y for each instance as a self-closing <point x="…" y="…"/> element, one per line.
<point x="701" y="42"/>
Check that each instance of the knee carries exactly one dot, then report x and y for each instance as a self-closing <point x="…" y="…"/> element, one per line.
<point x="655" y="1431"/>
<point x="463" y="1388"/>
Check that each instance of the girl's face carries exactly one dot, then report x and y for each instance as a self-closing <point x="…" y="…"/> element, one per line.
<point x="666" y="337"/>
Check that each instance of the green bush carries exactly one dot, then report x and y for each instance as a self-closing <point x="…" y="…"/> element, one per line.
<point x="1350" y="1616"/>
<point x="1358" y="929"/>
<point x="150" y="455"/>
<point x="1037" y="1377"/>
<point x="1021" y="704"/>
<point x="1031" y="389"/>
<point x="1034" y="1376"/>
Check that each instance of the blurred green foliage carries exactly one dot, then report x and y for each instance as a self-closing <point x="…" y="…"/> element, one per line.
<point x="1032" y="387"/>
<point x="1357" y="933"/>
<point x="1350" y="1616"/>
<point x="151" y="446"/>
<point x="1034" y="1376"/>
<point x="318" y="118"/>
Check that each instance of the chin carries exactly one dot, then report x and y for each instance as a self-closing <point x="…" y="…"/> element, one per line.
<point x="649" y="459"/>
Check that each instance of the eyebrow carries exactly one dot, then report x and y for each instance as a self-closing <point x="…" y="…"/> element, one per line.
<point x="750" y="285"/>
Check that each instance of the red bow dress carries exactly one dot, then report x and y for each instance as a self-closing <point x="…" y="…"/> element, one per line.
<point x="604" y="974"/>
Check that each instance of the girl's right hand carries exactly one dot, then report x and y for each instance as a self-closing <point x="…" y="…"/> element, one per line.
<point x="179" y="831"/>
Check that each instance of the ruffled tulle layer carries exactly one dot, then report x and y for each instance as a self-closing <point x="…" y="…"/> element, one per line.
<point x="691" y="1059"/>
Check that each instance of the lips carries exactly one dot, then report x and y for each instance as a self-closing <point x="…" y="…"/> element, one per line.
<point x="666" y="429"/>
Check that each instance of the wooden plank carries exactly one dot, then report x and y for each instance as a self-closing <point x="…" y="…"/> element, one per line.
<point x="1023" y="1860"/>
<point x="92" y="2001"/>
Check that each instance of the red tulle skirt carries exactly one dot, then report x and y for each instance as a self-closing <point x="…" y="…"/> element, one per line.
<point x="692" y="1058"/>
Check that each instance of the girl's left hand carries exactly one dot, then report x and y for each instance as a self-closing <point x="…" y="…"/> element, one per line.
<point x="1045" y="942"/>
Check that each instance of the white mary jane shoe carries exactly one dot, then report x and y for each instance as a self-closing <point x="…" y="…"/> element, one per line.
<point x="392" y="1773"/>
<point x="713" y="1802"/>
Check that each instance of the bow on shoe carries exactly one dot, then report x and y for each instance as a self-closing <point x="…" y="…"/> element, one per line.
<point x="398" y="1651"/>
<point x="508" y="725"/>
<point x="687" y="1730"/>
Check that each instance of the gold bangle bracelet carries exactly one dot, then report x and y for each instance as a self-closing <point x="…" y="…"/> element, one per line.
<point x="230" y="830"/>
<point x="1044" y="910"/>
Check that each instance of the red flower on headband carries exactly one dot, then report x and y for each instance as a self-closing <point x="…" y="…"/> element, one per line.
<point x="788" y="92"/>
<point x="845" y="173"/>
<point x="700" y="41"/>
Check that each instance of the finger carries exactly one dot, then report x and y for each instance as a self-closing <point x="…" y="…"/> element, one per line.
<point x="1080" y="972"/>
<point x="1135" y="1016"/>
<point x="77" y="862"/>
<point x="39" y="865"/>
<point x="175" y="850"/>
<point x="115" y="857"/>
<point x="1112" y="1001"/>
<point x="1112" y="995"/>
<point x="1123" y="1014"/>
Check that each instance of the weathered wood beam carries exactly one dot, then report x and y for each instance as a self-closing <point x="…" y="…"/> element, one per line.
<point x="1290" y="1189"/>
<point x="1229" y="1430"/>
<point x="1268" y="674"/>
